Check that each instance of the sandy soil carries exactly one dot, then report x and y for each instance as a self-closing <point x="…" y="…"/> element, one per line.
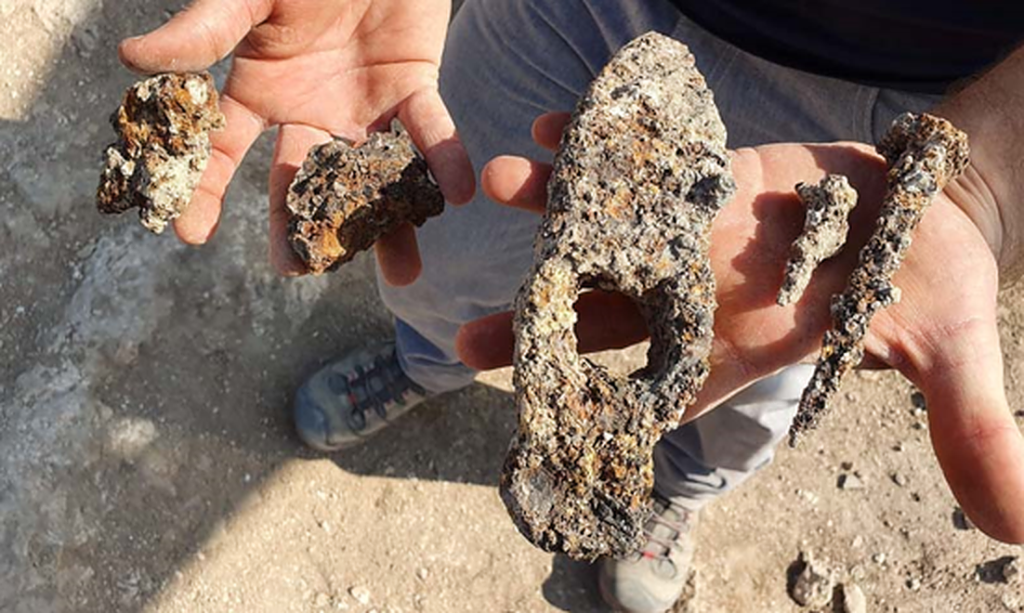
<point x="148" y="462"/>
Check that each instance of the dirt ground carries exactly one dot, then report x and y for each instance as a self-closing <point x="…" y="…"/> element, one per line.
<point x="148" y="463"/>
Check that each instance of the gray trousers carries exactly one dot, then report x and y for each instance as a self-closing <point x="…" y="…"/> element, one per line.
<point x="508" y="61"/>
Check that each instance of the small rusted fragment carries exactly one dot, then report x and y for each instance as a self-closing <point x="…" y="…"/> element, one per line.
<point x="345" y="197"/>
<point x="641" y="172"/>
<point x="163" y="146"/>
<point x="825" y="228"/>
<point x="924" y="153"/>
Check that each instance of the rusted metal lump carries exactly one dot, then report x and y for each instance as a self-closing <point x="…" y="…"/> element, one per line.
<point x="163" y="146"/>
<point x="924" y="153"/>
<point x="828" y="207"/>
<point x="640" y="175"/>
<point x="346" y="196"/>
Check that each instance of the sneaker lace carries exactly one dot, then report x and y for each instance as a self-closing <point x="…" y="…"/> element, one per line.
<point x="676" y="528"/>
<point x="392" y="389"/>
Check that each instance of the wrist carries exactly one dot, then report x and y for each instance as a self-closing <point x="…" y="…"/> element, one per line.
<point x="991" y="192"/>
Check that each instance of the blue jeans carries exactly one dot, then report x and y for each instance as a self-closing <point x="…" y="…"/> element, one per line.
<point x="506" y="62"/>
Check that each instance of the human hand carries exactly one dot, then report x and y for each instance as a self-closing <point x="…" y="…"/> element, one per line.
<point x="942" y="335"/>
<point x="313" y="68"/>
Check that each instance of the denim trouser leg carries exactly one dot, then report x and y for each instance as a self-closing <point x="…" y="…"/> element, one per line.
<point x="507" y="61"/>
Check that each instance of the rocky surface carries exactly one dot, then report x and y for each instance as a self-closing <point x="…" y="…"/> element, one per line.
<point x="640" y="175"/>
<point x="345" y="197"/>
<point x="148" y="462"/>
<point x="828" y="207"/>
<point x="163" y="146"/>
<point x="924" y="153"/>
<point x="812" y="586"/>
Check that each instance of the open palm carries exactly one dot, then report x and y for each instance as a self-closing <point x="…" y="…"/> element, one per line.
<point x="942" y="335"/>
<point x="315" y="69"/>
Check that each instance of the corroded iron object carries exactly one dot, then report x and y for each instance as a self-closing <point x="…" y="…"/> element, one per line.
<point x="163" y="146"/>
<point x="345" y="197"/>
<point x="825" y="228"/>
<point x="924" y="153"/>
<point x="641" y="172"/>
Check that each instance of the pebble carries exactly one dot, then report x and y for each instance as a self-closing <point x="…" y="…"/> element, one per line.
<point x="914" y="584"/>
<point x="898" y="446"/>
<point x="854" y="600"/>
<point x="879" y="558"/>
<point x="810" y="497"/>
<point x="961" y="521"/>
<point x="813" y="586"/>
<point x="899" y="479"/>
<point x="361" y="594"/>
<point x="423" y="573"/>
<point x="850" y="482"/>
<point x="1011" y="570"/>
<point x="917" y="399"/>
<point x="322" y="600"/>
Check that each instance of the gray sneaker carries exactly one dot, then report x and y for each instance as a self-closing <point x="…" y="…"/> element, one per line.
<point x="653" y="579"/>
<point x="353" y="397"/>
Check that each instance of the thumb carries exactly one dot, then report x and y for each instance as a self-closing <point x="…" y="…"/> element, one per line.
<point x="973" y="431"/>
<point x="195" y="38"/>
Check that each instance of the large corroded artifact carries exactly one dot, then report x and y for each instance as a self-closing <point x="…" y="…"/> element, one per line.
<point x="641" y="173"/>
<point x="828" y="207"/>
<point x="345" y="196"/>
<point x="924" y="153"/>
<point x="163" y="146"/>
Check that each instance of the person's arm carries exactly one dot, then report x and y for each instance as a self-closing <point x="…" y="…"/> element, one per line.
<point x="991" y="110"/>
<point x="313" y="69"/>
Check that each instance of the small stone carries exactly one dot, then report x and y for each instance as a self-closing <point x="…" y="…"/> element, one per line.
<point x="846" y="465"/>
<point x="918" y="425"/>
<point x="899" y="447"/>
<point x="854" y="600"/>
<point x="858" y="542"/>
<point x="850" y="481"/>
<point x="360" y="593"/>
<point x="809" y="496"/>
<point x="961" y="521"/>
<point x="1011" y="570"/>
<point x="813" y="584"/>
<point x="422" y="574"/>
<point x="322" y="600"/>
<point x="1011" y="603"/>
<point x="879" y="558"/>
<point x="899" y="479"/>
<point x="913" y="584"/>
<point x="918" y="401"/>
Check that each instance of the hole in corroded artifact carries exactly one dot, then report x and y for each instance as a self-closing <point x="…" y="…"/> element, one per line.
<point x="637" y="181"/>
